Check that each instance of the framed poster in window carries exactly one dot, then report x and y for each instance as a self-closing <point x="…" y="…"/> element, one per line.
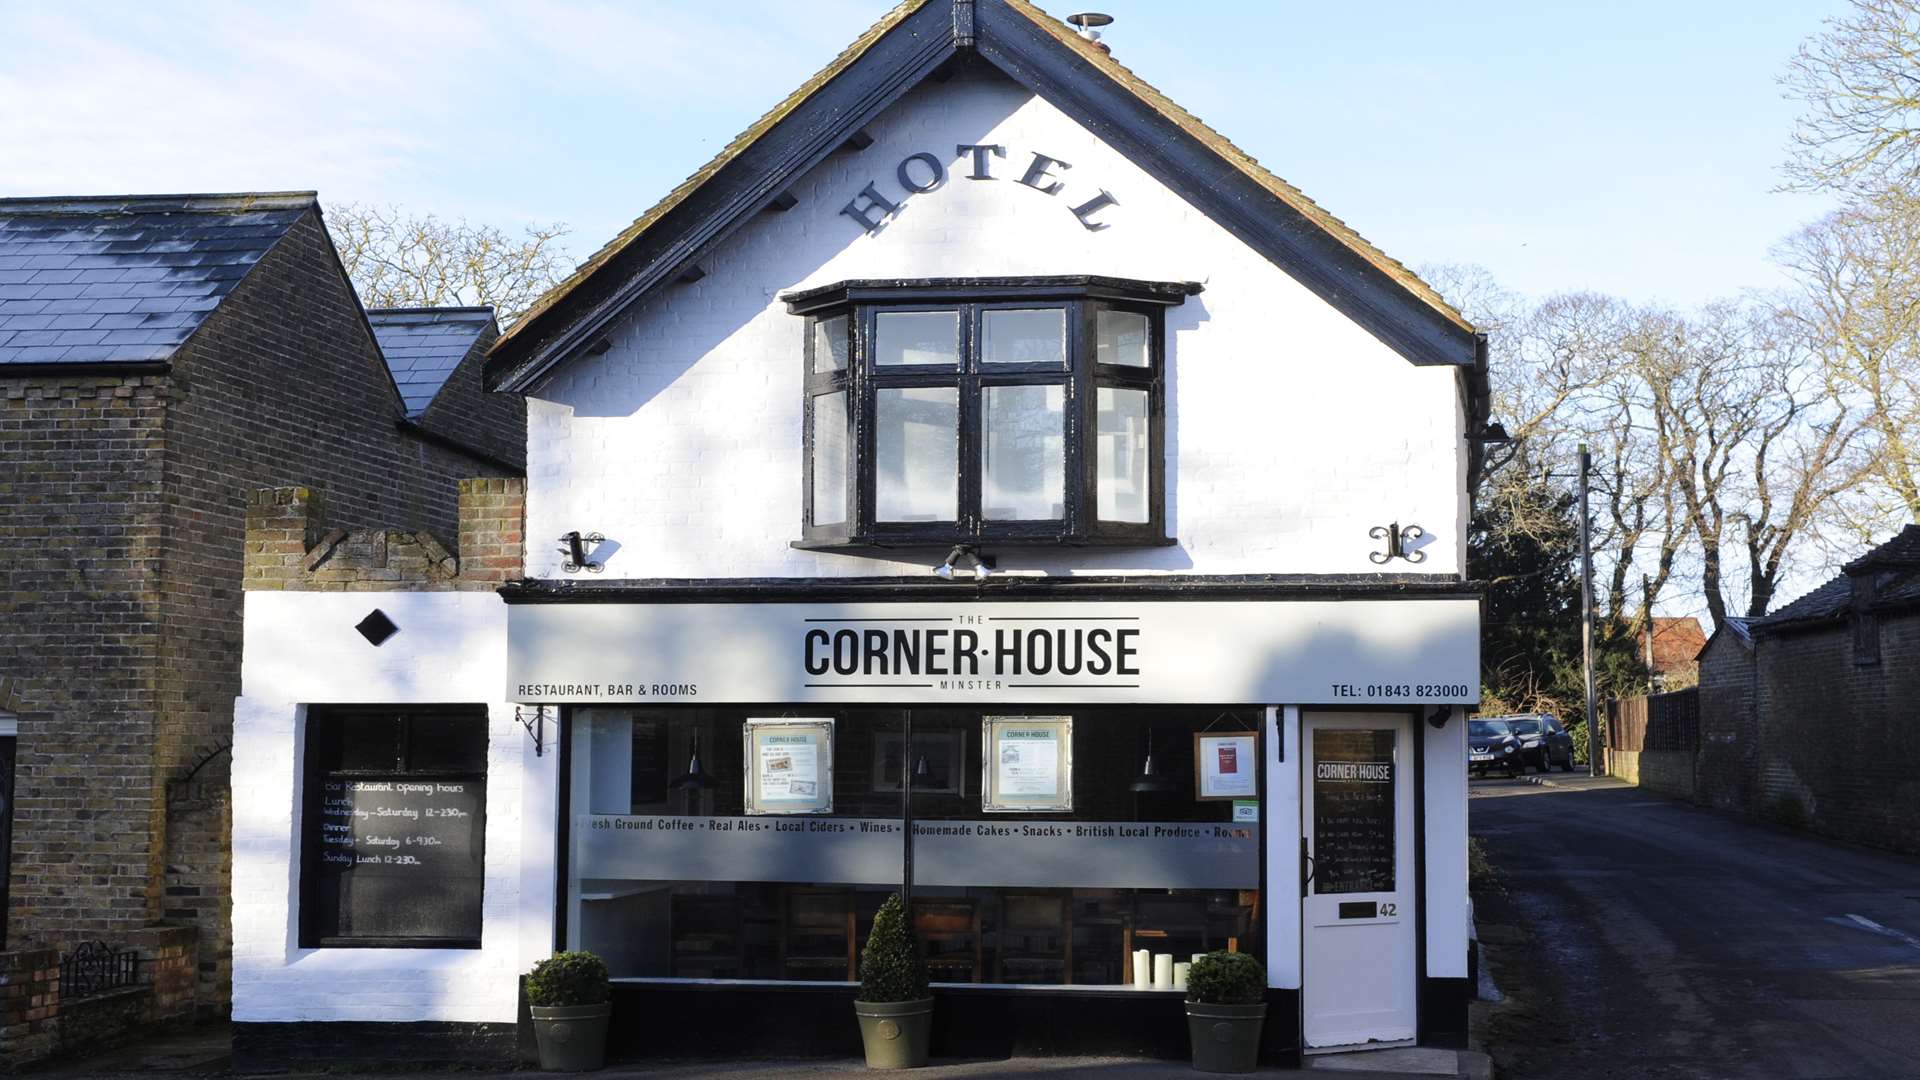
<point x="789" y="766"/>
<point x="1028" y="764"/>
<point x="1223" y="765"/>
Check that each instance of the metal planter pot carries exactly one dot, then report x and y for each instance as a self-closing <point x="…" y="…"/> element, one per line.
<point x="1226" y="1038"/>
<point x="572" y="1038"/>
<point x="895" y="1033"/>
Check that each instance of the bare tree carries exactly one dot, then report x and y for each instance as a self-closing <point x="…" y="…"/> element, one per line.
<point x="396" y="259"/>
<point x="1756" y="447"/>
<point x="1860" y="80"/>
<point x="1859" y="271"/>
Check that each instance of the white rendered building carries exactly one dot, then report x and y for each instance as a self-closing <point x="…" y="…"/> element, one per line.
<point x="980" y="451"/>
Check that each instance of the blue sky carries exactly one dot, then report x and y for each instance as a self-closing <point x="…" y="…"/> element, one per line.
<point x="1630" y="148"/>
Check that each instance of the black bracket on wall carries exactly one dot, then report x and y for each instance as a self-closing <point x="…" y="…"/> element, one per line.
<point x="536" y="726"/>
<point x="1397" y="539"/>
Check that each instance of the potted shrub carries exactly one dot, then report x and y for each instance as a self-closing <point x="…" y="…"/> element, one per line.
<point x="894" y="1005"/>
<point x="567" y="995"/>
<point x="1226" y="1006"/>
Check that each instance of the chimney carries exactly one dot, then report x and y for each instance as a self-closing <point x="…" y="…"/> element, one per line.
<point x="1086" y="21"/>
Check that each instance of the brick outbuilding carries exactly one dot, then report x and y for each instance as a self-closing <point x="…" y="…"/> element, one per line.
<point x="162" y="357"/>
<point x="1807" y="715"/>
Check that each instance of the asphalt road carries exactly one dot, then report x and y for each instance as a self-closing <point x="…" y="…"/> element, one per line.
<point x="1642" y="937"/>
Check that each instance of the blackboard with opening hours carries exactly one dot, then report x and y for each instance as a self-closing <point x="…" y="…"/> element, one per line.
<point x="393" y="827"/>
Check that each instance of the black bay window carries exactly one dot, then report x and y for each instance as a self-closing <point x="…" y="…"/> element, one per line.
<point x="985" y="410"/>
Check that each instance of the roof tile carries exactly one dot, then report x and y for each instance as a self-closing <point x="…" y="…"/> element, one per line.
<point x="424" y="345"/>
<point x="127" y="277"/>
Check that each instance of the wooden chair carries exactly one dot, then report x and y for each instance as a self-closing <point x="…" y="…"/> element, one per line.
<point x="1172" y="924"/>
<point x="1035" y="940"/>
<point x="705" y="931"/>
<point x="819" y="939"/>
<point x="949" y="931"/>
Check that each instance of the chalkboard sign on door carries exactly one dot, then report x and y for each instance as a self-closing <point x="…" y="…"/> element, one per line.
<point x="1353" y="778"/>
<point x="393" y="838"/>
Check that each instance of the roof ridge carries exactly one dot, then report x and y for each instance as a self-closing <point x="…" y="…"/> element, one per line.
<point x="197" y="202"/>
<point x="726" y="153"/>
<point x="477" y="308"/>
<point x="1247" y="163"/>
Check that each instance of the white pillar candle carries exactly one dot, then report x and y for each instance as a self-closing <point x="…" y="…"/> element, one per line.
<point x="1197" y="956"/>
<point x="1142" y="969"/>
<point x="1180" y="975"/>
<point x="1163" y="971"/>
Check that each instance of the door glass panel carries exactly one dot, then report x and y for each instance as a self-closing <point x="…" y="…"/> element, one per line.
<point x="916" y="337"/>
<point x="1024" y="336"/>
<point x="1023" y="453"/>
<point x="1353" y="840"/>
<point x="917" y="453"/>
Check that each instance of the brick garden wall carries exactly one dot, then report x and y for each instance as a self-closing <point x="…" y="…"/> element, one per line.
<point x="1652" y="740"/>
<point x="29" y="1005"/>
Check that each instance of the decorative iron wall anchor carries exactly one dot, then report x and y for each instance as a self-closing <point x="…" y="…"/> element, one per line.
<point x="576" y="552"/>
<point x="1397" y="540"/>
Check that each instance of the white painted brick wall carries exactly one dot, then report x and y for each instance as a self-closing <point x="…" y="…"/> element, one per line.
<point x="1291" y="430"/>
<point x="301" y="649"/>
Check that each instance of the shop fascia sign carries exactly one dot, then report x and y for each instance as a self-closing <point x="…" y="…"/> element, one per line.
<point x="1398" y="651"/>
<point x="924" y="172"/>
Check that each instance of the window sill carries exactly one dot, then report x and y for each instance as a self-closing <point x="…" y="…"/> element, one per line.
<point x="841" y="986"/>
<point x="883" y="548"/>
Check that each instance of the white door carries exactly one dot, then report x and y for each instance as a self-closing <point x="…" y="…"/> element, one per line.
<point x="1357" y="919"/>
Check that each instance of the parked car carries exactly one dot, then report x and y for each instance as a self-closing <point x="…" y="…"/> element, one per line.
<point x="1491" y="744"/>
<point x="1543" y="742"/>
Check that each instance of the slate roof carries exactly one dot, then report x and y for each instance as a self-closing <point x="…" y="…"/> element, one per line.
<point x="424" y="345"/>
<point x="1896" y="565"/>
<point x="1093" y="54"/>
<point x="125" y="278"/>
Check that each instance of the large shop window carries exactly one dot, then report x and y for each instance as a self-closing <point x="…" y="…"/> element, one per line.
<point x="1002" y="410"/>
<point x="393" y="828"/>
<point x="1046" y="851"/>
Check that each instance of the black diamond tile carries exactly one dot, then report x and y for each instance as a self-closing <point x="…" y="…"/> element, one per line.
<point x="376" y="627"/>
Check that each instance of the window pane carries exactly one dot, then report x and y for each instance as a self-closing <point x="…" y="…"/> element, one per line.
<point x="1122" y="464"/>
<point x="1023" y="453"/>
<point x="365" y="742"/>
<point x="438" y="743"/>
<point x="1354" y="775"/>
<point x="1155" y="870"/>
<point x="830" y="344"/>
<point x="830" y="458"/>
<point x="1120" y="337"/>
<point x="685" y="885"/>
<point x="917" y="450"/>
<point x="916" y="337"/>
<point x="1036" y="336"/>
